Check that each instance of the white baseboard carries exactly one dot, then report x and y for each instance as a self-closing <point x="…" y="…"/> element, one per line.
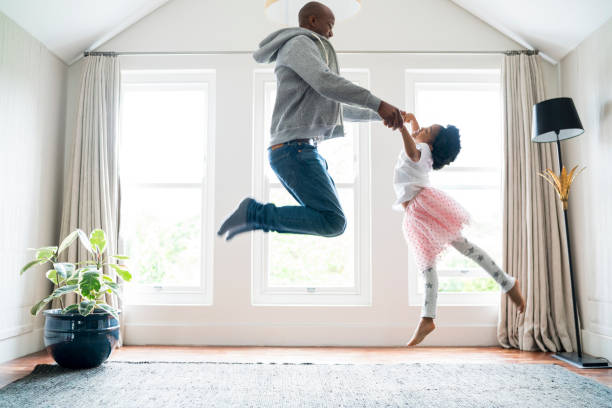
<point x="597" y="345"/>
<point x="21" y="345"/>
<point x="303" y="335"/>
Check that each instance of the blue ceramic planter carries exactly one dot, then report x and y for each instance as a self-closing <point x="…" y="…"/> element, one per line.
<point x="77" y="341"/>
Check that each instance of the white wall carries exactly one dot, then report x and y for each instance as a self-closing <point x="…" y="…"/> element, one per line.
<point x="213" y="25"/>
<point x="32" y="105"/>
<point x="197" y="25"/>
<point x="587" y="78"/>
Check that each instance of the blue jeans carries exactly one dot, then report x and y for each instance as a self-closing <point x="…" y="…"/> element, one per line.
<point x="303" y="172"/>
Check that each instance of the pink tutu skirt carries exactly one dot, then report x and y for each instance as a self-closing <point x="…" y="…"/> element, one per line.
<point x="432" y="221"/>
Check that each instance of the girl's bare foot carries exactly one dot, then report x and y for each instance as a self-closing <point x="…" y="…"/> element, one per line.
<point x="426" y="326"/>
<point x="517" y="297"/>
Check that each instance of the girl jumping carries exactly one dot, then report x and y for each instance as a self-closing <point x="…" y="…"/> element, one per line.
<point x="432" y="219"/>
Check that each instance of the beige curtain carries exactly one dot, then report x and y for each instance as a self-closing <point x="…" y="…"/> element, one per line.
<point x="91" y="195"/>
<point x="535" y="248"/>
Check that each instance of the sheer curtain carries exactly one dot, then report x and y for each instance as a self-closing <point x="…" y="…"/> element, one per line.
<point x="535" y="249"/>
<point x="91" y="195"/>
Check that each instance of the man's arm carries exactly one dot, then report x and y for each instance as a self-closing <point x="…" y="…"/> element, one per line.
<point x="302" y="56"/>
<point x="354" y="114"/>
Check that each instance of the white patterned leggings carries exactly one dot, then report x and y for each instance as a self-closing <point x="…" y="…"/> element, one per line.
<point x="476" y="254"/>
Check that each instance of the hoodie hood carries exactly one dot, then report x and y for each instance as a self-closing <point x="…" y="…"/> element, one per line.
<point x="268" y="48"/>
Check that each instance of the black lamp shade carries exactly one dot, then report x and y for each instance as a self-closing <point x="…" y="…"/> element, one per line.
<point x="554" y="116"/>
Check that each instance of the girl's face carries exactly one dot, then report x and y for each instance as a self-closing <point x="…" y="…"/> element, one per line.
<point x="427" y="134"/>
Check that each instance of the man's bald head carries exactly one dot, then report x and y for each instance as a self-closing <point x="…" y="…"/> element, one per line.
<point x="313" y="8"/>
<point x="317" y="17"/>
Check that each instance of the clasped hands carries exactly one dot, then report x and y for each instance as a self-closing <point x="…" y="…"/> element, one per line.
<point x="393" y="117"/>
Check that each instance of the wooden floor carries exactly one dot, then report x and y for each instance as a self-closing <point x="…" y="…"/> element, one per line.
<point x="20" y="367"/>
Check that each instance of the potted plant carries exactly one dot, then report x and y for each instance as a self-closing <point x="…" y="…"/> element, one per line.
<point x="80" y="335"/>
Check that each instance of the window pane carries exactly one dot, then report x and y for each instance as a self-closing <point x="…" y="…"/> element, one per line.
<point x="484" y="229"/>
<point x="270" y="98"/>
<point x="309" y="261"/>
<point x="162" y="153"/>
<point x="162" y="232"/>
<point x="340" y="154"/>
<point x="163" y="133"/>
<point x="474" y="179"/>
<point x="474" y="108"/>
<point x="455" y="178"/>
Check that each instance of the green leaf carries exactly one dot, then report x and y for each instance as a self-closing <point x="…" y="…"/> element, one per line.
<point x="64" y="290"/>
<point x="64" y="269"/>
<point x="123" y="273"/>
<point x="86" y="307"/>
<point x="90" y="284"/>
<point x="120" y="256"/>
<point x="108" y="309"/>
<point x="107" y="278"/>
<point x="111" y="287"/>
<point x="84" y="241"/>
<point x="56" y="293"/>
<point x="74" y="275"/>
<point x="52" y="276"/>
<point x="70" y="308"/>
<point x="37" y="307"/>
<point x="97" y="239"/>
<point x="68" y="241"/>
<point x="31" y="264"/>
<point x="45" y="253"/>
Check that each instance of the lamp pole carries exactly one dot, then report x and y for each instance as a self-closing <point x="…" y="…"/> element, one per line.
<point x="555" y="120"/>
<point x="569" y="258"/>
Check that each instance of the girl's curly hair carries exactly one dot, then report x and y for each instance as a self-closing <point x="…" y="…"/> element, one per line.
<point x="446" y="147"/>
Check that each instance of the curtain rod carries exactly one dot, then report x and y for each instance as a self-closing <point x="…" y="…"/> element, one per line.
<point x="113" y="53"/>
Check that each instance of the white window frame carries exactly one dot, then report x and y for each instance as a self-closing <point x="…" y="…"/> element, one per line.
<point x="490" y="79"/>
<point x="361" y="293"/>
<point x="177" y="295"/>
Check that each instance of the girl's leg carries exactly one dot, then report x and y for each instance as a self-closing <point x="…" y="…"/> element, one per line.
<point x="476" y="254"/>
<point x="428" y="310"/>
<point x="507" y="283"/>
<point x="430" y="275"/>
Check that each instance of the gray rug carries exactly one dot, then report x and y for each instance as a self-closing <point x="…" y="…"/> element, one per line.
<point x="122" y="384"/>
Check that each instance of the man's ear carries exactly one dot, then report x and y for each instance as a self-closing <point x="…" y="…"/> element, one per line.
<point x="313" y="21"/>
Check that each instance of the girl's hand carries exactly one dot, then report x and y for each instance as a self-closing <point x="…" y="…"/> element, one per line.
<point x="409" y="117"/>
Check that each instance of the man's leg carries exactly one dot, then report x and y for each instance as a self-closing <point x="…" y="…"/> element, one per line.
<point x="303" y="172"/>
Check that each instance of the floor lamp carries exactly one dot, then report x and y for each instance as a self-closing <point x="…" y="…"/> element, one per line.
<point x="555" y="120"/>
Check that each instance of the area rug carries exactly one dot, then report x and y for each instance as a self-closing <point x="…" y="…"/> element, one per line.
<point x="162" y="384"/>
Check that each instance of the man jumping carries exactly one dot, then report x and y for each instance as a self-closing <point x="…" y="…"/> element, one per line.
<point x="311" y="103"/>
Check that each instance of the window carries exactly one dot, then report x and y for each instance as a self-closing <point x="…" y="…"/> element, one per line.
<point x="166" y="183"/>
<point x="471" y="101"/>
<point x="300" y="269"/>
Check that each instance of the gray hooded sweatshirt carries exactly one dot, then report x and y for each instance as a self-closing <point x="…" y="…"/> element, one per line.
<point x="311" y="97"/>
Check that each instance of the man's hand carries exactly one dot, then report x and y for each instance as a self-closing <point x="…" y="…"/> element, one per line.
<point x="391" y="116"/>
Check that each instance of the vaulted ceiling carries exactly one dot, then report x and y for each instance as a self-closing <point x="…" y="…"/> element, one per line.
<point x="68" y="27"/>
<point x="554" y="27"/>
